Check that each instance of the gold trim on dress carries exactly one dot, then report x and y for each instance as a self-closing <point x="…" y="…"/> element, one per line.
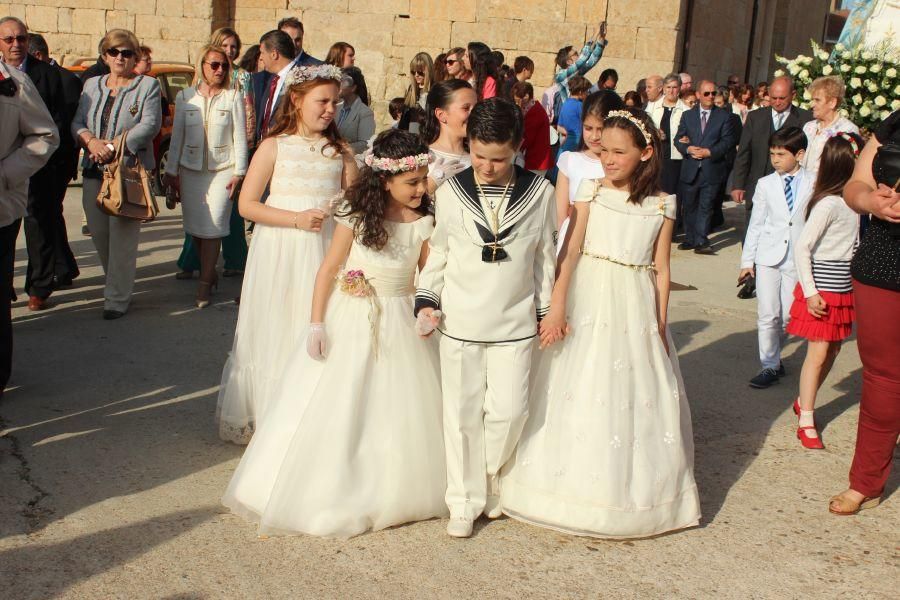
<point x="650" y="267"/>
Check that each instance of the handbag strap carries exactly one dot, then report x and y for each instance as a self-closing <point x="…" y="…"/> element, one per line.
<point x="120" y="150"/>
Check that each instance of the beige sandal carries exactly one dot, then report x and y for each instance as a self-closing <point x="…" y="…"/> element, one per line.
<point x="846" y="507"/>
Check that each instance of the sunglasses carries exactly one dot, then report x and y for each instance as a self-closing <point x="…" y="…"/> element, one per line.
<point x="216" y="65"/>
<point x="419" y="73"/>
<point x="22" y="39"/>
<point x="115" y="53"/>
<point x="451" y="61"/>
<point x="707" y="94"/>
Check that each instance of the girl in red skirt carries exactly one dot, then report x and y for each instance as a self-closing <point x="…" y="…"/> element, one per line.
<point x="822" y="311"/>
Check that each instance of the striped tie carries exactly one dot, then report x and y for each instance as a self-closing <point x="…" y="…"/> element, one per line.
<point x="789" y="192"/>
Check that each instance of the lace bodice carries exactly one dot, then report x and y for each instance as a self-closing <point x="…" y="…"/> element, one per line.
<point x="304" y="177"/>
<point x="620" y="230"/>
<point x="392" y="269"/>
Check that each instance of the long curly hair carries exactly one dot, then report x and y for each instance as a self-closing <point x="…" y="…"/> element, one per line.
<point x="289" y="117"/>
<point x="366" y="200"/>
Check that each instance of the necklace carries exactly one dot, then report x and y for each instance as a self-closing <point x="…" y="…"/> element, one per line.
<point x="311" y="141"/>
<point x="496" y="248"/>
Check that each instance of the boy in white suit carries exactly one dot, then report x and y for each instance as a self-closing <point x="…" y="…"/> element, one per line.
<point x="779" y="205"/>
<point x="490" y="272"/>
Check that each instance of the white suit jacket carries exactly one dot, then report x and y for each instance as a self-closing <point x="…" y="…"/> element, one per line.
<point x="656" y="110"/>
<point x="217" y="132"/>
<point x="773" y="229"/>
<point x="28" y="136"/>
<point x="358" y="126"/>
<point x="490" y="302"/>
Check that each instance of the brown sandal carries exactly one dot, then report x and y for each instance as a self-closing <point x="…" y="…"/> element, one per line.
<point x="847" y="507"/>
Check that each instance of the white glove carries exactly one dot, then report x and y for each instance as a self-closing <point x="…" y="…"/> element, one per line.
<point x="316" y="341"/>
<point x="443" y="169"/>
<point x="425" y="324"/>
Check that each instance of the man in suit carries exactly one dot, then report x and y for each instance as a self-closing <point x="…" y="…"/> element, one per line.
<point x="705" y="135"/>
<point x="65" y="267"/>
<point x="28" y="137"/>
<point x="294" y="28"/>
<point x="44" y="224"/>
<point x="276" y="51"/>
<point x="752" y="161"/>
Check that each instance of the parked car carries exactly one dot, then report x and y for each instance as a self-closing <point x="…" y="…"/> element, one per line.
<point x="173" y="77"/>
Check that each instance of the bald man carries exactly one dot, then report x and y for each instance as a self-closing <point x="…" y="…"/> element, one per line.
<point x="654" y="90"/>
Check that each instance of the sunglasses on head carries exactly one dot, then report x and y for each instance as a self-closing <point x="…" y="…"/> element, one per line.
<point x="216" y="65"/>
<point x="115" y="53"/>
<point x="22" y="39"/>
<point x="707" y="93"/>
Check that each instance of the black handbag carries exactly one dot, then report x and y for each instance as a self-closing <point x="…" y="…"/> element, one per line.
<point x="886" y="171"/>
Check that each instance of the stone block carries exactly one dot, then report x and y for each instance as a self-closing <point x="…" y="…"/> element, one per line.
<point x="382" y="7"/>
<point x="548" y="37"/>
<point x="272" y="4"/>
<point x="137" y="7"/>
<point x="552" y="11"/>
<point x="169" y="50"/>
<point x="172" y="28"/>
<point x="170" y="8"/>
<point x="64" y="20"/>
<point x="652" y="13"/>
<point x="496" y="33"/>
<point x="364" y="31"/>
<point x="118" y="19"/>
<point x="200" y="9"/>
<point x="544" y="69"/>
<point x="41" y="18"/>
<point x="631" y="70"/>
<point x="89" y="20"/>
<point x="103" y="4"/>
<point x="622" y="41"/>
<point x="71" y="44"/>
<point x="488" y="10"/>
<point x="251" y="31"/>
<point x="586" y="11"/>
<point x="656" y="44"/>
<point x="458" y="11"/>
<point x="406" y="53"/>
<point x="413" y="32"/>
<point x="256" y="14"/>
<point x="327" y="5"/>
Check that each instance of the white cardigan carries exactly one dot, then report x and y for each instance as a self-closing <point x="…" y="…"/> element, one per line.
<point x="830" y="234"/>
<point x="208" y="133"/>
<point x="656" y="112"/>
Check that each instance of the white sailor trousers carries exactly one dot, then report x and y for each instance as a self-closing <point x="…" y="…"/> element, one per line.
<point x="485" y="392"/>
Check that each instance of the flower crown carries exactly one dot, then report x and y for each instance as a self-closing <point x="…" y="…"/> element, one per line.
<point x="853" y="143"/>
<point x="397" y="165"/>
<point x="624" y="114"/>
<point x="299" y="75"/>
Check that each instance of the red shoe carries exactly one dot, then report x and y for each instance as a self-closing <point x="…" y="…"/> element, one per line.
<point x="797" y="407"/>
<point x="810" y="443"/>
<point x="35" y="303"/>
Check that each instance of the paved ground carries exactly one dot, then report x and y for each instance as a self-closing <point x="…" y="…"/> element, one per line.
<point x="111" y="469"/>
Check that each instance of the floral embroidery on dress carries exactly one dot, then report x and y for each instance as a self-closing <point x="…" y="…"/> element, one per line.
<point x="669" y="438"/>
<point x="615" y="442"/>
<point x="618" y="364"/>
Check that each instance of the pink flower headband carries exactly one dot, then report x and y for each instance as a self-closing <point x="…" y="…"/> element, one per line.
<point x="853" y="143"/>
<point x="397" y="165"/>
<point x="299" y="75"/>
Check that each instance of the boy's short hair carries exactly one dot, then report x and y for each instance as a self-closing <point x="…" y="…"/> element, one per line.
<point x="521" y="89"/>
<point x="495" y="121"/>
<point x="578" y="85"/>
<point x="522" y="63"/>
<point x="395" y="107"/>
<point x="791" y="139"/>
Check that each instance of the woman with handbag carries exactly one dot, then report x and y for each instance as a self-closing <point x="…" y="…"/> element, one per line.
<point x="208" y="159"/>
<point x="110" y="106"/>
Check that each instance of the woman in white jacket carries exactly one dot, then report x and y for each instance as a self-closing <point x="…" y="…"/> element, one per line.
<point x="208" y="159"/>
<point x="666" y="114"/>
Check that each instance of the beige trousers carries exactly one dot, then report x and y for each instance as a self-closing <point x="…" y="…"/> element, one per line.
<point x="116" y="241"/>
<point x="485" y="392"/>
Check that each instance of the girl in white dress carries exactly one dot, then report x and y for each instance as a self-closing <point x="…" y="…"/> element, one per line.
<point x="607" y="450"/>
<point x="585" y="162"/>
<point x="444" y="129"/>
<point x="305" y="164"/>
<point x="353" y="439"/>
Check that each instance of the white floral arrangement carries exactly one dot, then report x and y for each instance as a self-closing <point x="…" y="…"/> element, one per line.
<point x="298" y="75"/>
<point x="870" y="74"/>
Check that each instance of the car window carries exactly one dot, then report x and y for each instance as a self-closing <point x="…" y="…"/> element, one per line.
<point x="175" y="82"/>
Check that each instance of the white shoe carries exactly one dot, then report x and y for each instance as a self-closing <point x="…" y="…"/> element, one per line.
<point x="492" y="509"/>
<point x="460" y="527"/>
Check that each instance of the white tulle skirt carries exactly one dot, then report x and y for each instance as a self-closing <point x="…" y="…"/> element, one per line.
<point x="276" y="299"/>
<point x="354" y="442"/>
<point x="608" y="449"/>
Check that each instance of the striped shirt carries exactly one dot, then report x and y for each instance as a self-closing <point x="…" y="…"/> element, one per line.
<point x="832" y="276"/>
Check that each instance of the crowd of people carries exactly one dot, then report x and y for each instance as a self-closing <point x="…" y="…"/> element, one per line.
<point x="533" y="234"/>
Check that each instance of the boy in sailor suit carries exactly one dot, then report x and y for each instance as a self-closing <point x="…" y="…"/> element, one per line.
<point x="779" y="206"/>
<point x="490" y="273"/>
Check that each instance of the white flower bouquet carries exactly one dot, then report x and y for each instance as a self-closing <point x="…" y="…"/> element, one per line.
<point x="870" y="74"/>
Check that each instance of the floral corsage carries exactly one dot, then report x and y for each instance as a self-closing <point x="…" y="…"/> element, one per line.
<point x="354" y="283"/>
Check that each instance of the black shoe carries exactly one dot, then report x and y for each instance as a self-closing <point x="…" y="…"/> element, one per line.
<point x="85" y="230"/>
<point x="686" y="246"/>
<point x="780" y="371"/>
<point x="112" y="315"/>
<point x="764" y="379"/>
<point x="704" y="249"/>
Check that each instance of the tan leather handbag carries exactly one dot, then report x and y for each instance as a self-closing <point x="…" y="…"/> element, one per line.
<point x="125" y="191"/>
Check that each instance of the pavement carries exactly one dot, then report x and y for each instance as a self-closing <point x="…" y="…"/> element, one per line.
<point x="112" y="470"/>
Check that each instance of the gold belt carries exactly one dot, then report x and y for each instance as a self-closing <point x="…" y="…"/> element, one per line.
<point x="649" y="267"/>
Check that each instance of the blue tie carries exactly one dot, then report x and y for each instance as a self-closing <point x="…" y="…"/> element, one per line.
<point x="789" y="192"/>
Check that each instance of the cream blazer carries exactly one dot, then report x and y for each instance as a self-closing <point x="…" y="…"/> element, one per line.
<point x="656" y="112"/>
<point x="28" y="137"/>
<point x="208" y="133"/>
